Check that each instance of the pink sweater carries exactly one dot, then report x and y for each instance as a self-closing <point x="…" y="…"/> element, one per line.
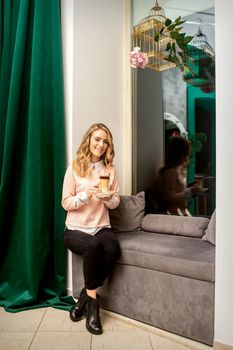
<point x="82" y="211"/>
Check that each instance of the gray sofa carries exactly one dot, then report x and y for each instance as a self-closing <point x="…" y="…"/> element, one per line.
<point x="165" y="275"/>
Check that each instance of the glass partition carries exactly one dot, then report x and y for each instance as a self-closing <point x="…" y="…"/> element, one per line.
<point x="169" y="103"/>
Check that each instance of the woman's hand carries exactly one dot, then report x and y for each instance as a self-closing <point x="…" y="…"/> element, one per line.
<point x="196" y="190"/>
<point x="92" y="190"/>
<point x="107" y="198"/>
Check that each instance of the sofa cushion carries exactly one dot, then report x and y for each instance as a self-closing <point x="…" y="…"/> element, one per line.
<point x="210" y="231"/>
<point x="179" y="255"/>
<point x="178" y="225"/>
<point x="129" y="214"/>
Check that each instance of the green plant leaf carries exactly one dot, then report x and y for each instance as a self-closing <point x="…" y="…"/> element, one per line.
<point x="157" y="35"/>
<point x="185" y="49"/>
<point x="174" y="48"/>
<point x="170" y="58"/>
<point x="178" y="19"/>
<point x="168" y="22"/>
<point x="161" y="30"/>
<point x="180" y="22"/>
<point x="180" y="40"/>
<point x="178" y="29"/>
<point x="197" y="141"/>
<point x="180" y="44"/>
<point x="175" y="35"/>
<point x="187" y="39"/>
<point x="171" y="27"/>
<point x="202" y="136"/>
<point x="168" y="46"/>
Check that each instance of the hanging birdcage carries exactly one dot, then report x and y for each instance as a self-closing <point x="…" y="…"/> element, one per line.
<point x="144" y="37"/>
<point x="201" y="60"/>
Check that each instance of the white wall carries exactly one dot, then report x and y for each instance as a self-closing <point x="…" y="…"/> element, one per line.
<point x="224" y="194"/>
<point x="98" y="71"/>
<point x="95" y="35"/>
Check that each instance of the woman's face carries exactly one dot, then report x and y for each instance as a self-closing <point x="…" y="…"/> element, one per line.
<point x="98" y="144"/>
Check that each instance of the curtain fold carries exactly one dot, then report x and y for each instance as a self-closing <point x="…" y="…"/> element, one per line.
<point x="32" y="156"/>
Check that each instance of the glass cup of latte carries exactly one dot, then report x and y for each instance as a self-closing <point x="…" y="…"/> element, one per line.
<point x="104" y="181"/>
<point x="199" y="178"/>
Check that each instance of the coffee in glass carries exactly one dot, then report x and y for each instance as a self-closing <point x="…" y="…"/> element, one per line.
<point x="104" y="182"/>
<point x="199" y="179"/>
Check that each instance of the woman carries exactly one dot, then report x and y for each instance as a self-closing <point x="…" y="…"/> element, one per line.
<point x="171" y="188"/>
<point x="88" y="230"/>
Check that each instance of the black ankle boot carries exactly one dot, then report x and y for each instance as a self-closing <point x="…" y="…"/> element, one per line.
<point x="77" y="311"/>
<point x="92" y="316"/>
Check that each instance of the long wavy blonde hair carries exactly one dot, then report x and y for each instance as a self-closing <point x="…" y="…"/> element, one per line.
<point x="81" y="162"/>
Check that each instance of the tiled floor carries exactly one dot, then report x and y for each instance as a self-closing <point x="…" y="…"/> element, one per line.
<point x="49" y="329"/>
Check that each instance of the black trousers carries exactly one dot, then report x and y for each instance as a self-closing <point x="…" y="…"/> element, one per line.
<point x="100" y="253"/>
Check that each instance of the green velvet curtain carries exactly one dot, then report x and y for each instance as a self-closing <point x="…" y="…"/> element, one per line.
<point x="32" y="156"/>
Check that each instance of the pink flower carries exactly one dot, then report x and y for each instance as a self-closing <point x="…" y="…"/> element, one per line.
<point x="138" y="59"/>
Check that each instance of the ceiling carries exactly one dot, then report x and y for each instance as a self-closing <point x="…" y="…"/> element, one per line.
<point x="175" y="8"/>
<point x="186" y="7"/>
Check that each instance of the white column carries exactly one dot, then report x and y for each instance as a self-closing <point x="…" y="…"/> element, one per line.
<point x="224" y="192"/>
<point x="127" y="99"/>
<point x="67" y="20"/>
